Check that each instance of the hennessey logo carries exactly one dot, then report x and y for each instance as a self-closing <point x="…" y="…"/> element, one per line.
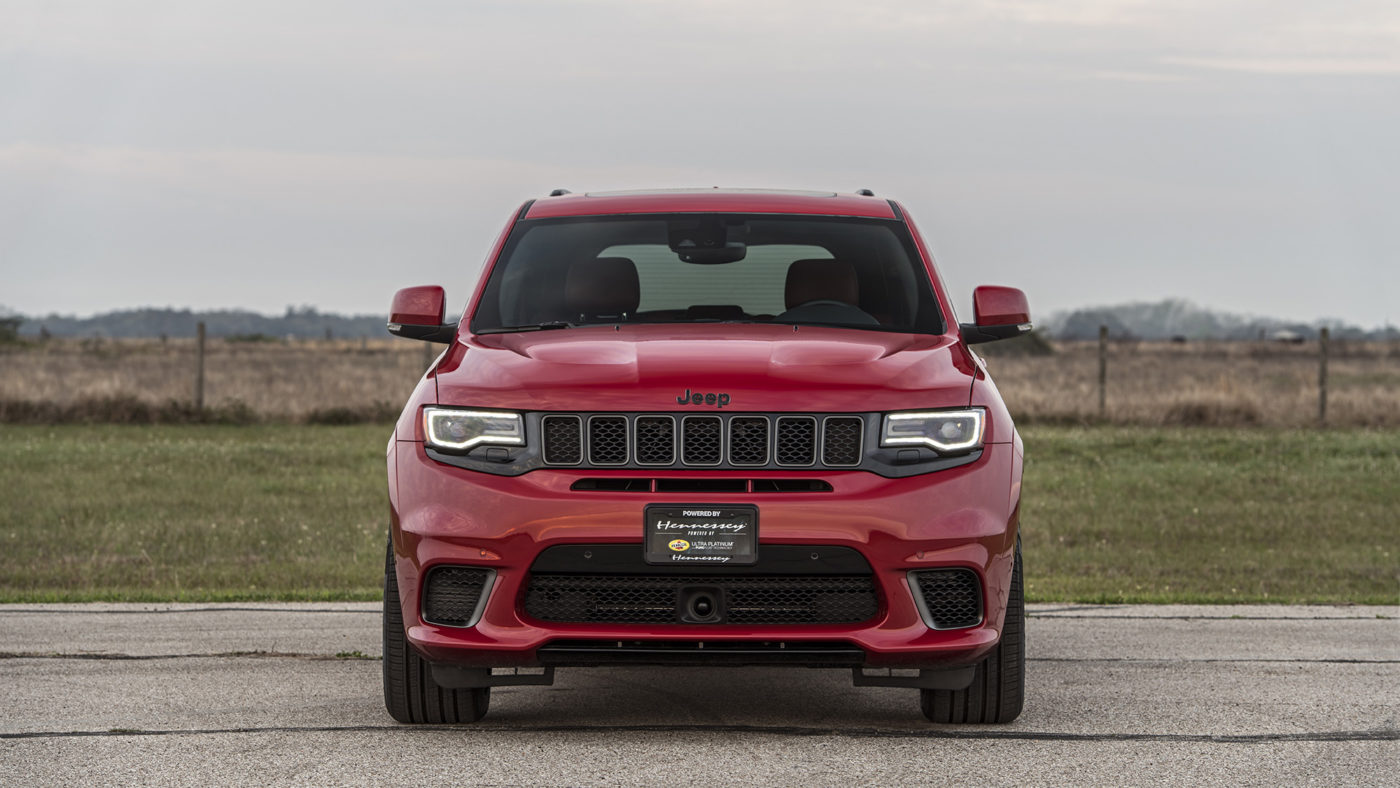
<point x="697" y="398"/>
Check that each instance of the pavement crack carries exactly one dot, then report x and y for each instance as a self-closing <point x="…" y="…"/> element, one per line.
<point x="1386" y="734"/>
<point x="341" y="657"/>
<point x="356" y="655"/>
<point x="10" y="610"/>
<point x="1209" y="660"/>
<point x="1054" y="616"/>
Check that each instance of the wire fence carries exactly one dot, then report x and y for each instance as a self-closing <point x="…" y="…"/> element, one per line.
<point x="1116" y="380"/>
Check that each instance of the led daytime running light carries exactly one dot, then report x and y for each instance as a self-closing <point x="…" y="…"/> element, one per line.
<point x="460" y="430"/>
<point x="945" y="431"/>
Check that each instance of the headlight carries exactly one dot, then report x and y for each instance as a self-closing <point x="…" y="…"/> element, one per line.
<point x="945" y="431"/>
<point x="459" y="430"/>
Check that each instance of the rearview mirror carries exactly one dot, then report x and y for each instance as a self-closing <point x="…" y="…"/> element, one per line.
<point x="707" y="240"/>
<point x="417" y="313"/>
<point x="999" y="312"/>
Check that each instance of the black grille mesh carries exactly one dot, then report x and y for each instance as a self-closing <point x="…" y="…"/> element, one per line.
<point x="703" y="440"/>
<point x="782" y="600"/>
<point x="656" y="440"/>
<point x="451" y="594"/>
<point x="841" y="441"/>
<point x="700" y="440"/>
<point x="953" y="597"/>
<point x="748" y="440"/>
<point x="563" y="440"/>
<point x="647" y="599"/>
<point x="797" y="440"/>
<point x="607" y="440"/>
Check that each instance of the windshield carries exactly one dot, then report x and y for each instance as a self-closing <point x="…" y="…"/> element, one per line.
<point x="696" y="268"/>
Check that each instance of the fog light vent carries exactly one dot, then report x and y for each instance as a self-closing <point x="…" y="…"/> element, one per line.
<point x="947" y="598"/>
<point x="454" y="595"/>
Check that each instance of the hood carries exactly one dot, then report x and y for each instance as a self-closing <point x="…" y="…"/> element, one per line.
<point x="761" y="367"/>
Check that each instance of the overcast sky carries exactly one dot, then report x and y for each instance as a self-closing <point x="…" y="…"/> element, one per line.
<point x="259" y="154"/>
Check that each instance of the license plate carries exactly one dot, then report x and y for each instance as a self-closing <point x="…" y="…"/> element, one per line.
<point x="701" y="535"/>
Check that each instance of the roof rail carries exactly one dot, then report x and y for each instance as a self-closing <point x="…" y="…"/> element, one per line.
<point x="865" y="192"/>
<point x="559" y="192"/>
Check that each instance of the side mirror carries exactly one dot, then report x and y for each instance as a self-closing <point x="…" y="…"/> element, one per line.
<point x="417" y="313"/>
<point x="1000" y="312"/>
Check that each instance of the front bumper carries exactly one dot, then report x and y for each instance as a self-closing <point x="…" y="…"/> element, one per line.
<point x="961" y="517"/>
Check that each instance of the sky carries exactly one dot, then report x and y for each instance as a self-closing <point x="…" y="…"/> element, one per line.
<point x="1241" y="154"/>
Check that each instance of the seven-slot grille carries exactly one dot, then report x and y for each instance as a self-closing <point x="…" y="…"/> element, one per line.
<point x="703" y="440"/>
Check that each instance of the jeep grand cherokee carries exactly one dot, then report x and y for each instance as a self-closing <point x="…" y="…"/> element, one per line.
<point x="706" y="427"/>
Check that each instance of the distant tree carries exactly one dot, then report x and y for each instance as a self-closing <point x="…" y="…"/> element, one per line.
<point x="1084" y="324"/>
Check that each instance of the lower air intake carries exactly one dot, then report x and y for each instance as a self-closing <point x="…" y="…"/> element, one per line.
<point x="658" y="599"/>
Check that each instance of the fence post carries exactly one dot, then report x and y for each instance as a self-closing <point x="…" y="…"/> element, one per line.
<point x="427" y="354"/>
<point x="1103" y="371"/>
<point x="199" y="370"/>
<point x="1323" y="339"/>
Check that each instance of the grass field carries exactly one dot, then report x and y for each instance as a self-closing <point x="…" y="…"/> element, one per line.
<point x="1111" y="514"/>
<point x="1120" y="514"/>
<point x="192" y="512"/>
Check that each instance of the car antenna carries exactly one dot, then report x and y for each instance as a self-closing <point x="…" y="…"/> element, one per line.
<point x="559" y="192"/>
<point x="865" y="192"/>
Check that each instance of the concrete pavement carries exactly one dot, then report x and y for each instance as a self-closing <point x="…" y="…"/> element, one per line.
<point x="249" y="694"/>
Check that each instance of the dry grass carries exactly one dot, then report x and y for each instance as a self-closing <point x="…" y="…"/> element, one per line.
<point x="141" y="381"/>
<point x="1204" y="384"/>
<point x="343" y="381"/>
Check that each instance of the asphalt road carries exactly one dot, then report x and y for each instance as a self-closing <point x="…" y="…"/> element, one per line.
<point x="290" y="695"/>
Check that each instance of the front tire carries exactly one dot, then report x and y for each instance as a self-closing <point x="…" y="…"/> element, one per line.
<point x="410" y="694"/>
<point x="997" y="691"/>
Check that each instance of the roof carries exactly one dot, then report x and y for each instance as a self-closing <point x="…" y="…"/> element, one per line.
<point x="711" y="201"/>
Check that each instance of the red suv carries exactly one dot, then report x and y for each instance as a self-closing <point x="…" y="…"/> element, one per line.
<point x="706" y="427"/>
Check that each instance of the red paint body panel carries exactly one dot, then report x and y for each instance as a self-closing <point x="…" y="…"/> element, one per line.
<point x="424" y="305"/>
<point x="958" y="517"/>
<point x="711" y="200"/>
<point x="993" y="305"/>
<point x="1000" y="428"/>
<point x="764" y="367"/>
<point x="409" y="426"/>
<point x="965" y="516"/>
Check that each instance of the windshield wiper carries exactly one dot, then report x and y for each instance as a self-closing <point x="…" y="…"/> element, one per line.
<point x="545" y="326"/>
